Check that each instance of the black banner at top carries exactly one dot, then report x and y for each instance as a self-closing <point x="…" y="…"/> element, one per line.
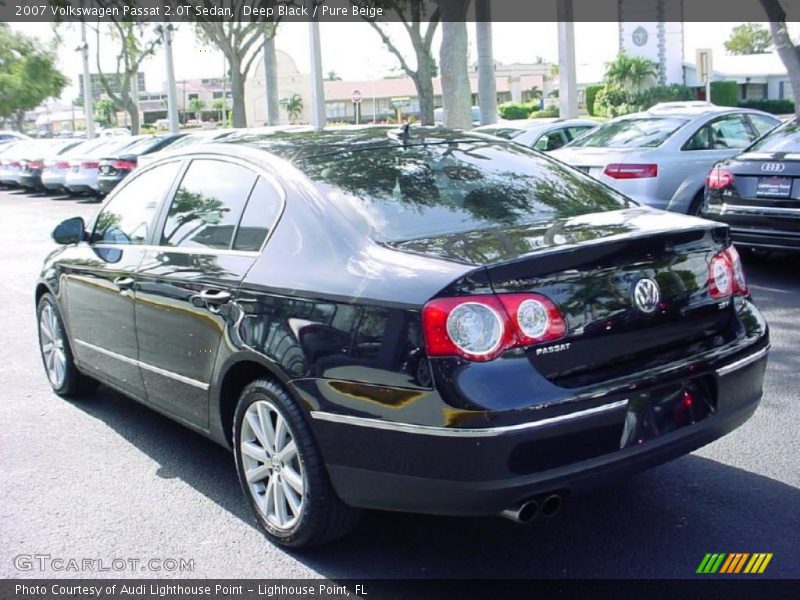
<point x="713" y="11"/>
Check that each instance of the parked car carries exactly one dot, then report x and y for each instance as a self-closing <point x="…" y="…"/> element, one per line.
<point x="114" y="168"/>
<point x="81" y="178"/>
<point x="55" y="170"/>
<point x="475" y="111"/>
<point x="757" y="192"/>
<point x="190" y="139"/>
<point x="544" y="135"/>
<point x="11" y="161"/>
<point x="8" y="135"/>
<point x="661" y="157"/>
<point x="32" y="166"/>
<point x="421" y="320"/>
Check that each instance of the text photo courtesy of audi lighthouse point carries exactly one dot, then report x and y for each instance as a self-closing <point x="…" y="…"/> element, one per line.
<point x="381" y="299"/>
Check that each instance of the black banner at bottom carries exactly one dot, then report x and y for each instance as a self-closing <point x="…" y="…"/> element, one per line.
<point x="387" y="589"/>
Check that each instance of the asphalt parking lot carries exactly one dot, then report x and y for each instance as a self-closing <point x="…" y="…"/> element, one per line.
<point x="105" y="478"/>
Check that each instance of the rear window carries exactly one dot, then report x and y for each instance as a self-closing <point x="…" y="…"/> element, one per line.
<point x="508" y="133"/>
<point x="631" y="133"/>
<point x="441" y="188"/>
<point x="785" y="138"/>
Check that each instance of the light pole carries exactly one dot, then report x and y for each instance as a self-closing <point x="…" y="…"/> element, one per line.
<point x="567" y="82"/>
<point x="317" y="85"/>
<point x="165" y="31"/>
<point x="87" y="84"/>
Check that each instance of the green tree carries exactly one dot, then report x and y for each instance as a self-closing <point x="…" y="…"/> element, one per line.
<point x="105" y="112"/>
<point x="332" y="76"/>
<point x="749" y="38"/>
<point x="789" y="53"/>
<point x="197" y="106"/>
<point x="294" y="106"/>
<point x="28" y="75"/>
<point x="219" y="106"/>
<point x="241" y="40"/>
<point x="630" y="71"/>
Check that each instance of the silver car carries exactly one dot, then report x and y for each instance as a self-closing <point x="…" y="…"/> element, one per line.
<point x="540" y="134"/>
<point x="661" y="157"/>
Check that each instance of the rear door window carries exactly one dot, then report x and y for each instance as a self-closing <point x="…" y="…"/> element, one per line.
<point x="552" y="140"/>
<point x="732" y="131"/>
<point x="207" y="205"/>
<point x="259" y="217"/>
<point x="762" y="124"/>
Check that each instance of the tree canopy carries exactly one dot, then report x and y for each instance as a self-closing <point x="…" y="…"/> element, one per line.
<point x="28" y="74"/>
<point x="749" y="38"/>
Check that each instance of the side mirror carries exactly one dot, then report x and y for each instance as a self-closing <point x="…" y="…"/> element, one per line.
<point x="70" y="231"/>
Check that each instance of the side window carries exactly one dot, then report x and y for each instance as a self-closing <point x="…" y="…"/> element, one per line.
<point x="207" y="205"/>
<point x="732" y="131"/>
<point x="259" y="215"/>
<point x="552" y="140"/>
<point x="574" y="132"/>
<point x="129" y="215"/>
<point x="700" y="140"/>
<point x="762" y="124"/>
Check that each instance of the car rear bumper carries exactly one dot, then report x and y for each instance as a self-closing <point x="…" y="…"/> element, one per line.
<point x="106" y="184"/>
<point x="373" y="464"/>
<point x="33" y="180"/>
<point x="759" y="227"/>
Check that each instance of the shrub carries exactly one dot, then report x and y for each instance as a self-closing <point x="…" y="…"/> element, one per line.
<point x="547" y="113"/>
<point x="776" y="107"/>
<point x="725" y="93"/>
<point x="662" y="93"/>
<point x="516" y="110"/>
<point x="590" y="94"/>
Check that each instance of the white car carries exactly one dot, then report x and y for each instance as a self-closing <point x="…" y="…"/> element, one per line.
<point x="7" y="135"/>
<point x="661" y="157"/>
<point x="83" y="168"/>
<point x="55" y="169"/>
<point x="11" y="160"/>
<point x="544" y="135"/>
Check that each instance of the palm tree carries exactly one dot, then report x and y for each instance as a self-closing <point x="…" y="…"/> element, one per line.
<point x="197" y="106"/>
<point x="294" y="106"/>
<point x="630" y="70"/>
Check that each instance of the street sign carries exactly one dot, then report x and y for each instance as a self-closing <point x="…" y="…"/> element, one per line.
<point x="356" y="97"/>
<point x="401" y="102"/>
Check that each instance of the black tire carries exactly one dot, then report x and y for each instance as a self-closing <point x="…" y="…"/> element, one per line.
<point x="324" y="517"/>
<point x="74" y="382"/>
<point x="697" y="204"/>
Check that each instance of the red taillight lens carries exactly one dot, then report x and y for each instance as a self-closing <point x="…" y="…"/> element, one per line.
<point x="35" y="164"/>
<point x="89" y="164"/>
<point x="13" y="163"/>
<point x="726" y="274"/>
<point x="480" y="328"/>
<point x="62" y="164"/>
<point x="719" y="179"/>
<point x="124" y="165"/>
<point x="632" y="171"/>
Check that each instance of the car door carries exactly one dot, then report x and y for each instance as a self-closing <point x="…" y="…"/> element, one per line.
<point x="99" y="278"/>
<point x="187" y="280"/>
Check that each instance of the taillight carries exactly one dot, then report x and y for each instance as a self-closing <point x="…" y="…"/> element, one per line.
<point x="124" y="165"/>
<point x="719" y="178"/>
<point x="89" y="164"/>
<point x="62" y="164"/>
<point x="35" y="164"/>
<point x="726" y="274"/>
<point x="630" y="171"/>
<point x="480" y="328"/>
<point x="13" y="164"/>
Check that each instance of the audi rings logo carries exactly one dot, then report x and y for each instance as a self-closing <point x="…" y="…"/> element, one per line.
<point x="646" y="295"/>
<point x="773" y="167"/>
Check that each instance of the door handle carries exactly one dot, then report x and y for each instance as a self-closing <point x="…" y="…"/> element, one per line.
<point x="214" y="297"/>
<point x="124" y="283"/>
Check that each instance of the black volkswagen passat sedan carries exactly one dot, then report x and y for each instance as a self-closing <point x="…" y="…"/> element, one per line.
<point x="757" y="192"/>
<point x="428" y="321"/>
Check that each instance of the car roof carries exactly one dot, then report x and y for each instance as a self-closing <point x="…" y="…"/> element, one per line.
<point x="527" y="124"/>
<point x="687" y="110"/>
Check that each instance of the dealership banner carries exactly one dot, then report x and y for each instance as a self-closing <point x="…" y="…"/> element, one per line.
<point x="389" y="589"/>
<point x="713" y="11"/>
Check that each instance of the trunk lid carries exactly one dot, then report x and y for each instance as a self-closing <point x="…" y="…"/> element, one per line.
<point x="766" y="179"/>
<point x="589" y="267"/>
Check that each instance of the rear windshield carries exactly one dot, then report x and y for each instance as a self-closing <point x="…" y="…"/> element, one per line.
<point x="785" y="138"/>
<point x="432" y="189"/>
<point x="631" y="133"/>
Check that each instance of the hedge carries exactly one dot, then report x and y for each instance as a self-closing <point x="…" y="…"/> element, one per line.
<point x="776" y="107"/>
<point x="517" y="110"/>
<point x="589" y="95"/>
<point x="725" y="93"/>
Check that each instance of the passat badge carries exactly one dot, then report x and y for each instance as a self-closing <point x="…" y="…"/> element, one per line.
<point x="646" y="295"/>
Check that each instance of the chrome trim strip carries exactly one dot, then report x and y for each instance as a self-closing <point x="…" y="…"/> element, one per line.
<point x="454" y="432"/>
<point x="742" y="362"/>
<point x="142" y="365"/>
<point x="747" y="209"/>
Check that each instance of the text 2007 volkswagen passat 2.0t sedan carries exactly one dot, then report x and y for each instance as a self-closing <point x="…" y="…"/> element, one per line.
<point x="414" y="320"/>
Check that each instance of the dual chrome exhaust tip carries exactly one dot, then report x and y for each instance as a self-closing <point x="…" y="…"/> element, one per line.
<point x="528" y="510"/>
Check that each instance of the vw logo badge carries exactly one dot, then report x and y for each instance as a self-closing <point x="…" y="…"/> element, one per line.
<point x="646" y="295"/>
<point x="773" y="167"/>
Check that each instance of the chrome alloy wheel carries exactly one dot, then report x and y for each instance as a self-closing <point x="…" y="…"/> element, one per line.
<point x="51" y="340"/>
<point x="272" y="466"/>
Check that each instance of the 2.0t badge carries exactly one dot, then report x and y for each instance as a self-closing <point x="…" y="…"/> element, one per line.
<point x="646" y="295"/>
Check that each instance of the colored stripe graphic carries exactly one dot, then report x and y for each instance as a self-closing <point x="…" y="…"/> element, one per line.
<point x="734" y="563"/>
<point x="711" y="563"/>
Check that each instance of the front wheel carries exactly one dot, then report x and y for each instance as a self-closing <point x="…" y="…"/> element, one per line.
<point x="282" y="473"/>
<point x="59" y="364"/>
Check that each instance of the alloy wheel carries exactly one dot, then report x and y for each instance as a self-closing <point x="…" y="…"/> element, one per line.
<point x="51" y="340"/>
<point x="272" y="465"/>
